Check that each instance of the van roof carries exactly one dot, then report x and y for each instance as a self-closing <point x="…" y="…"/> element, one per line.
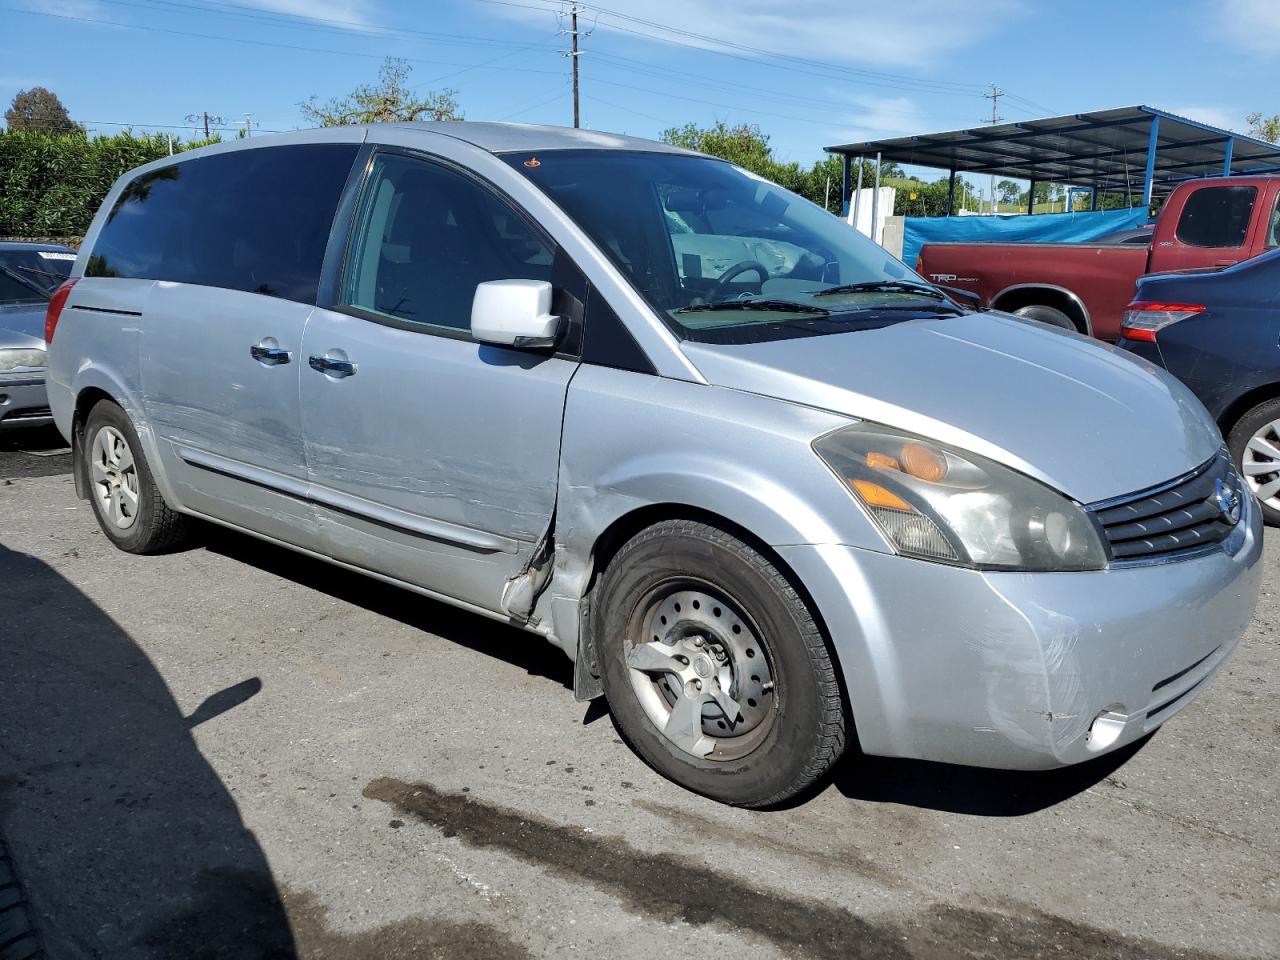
<point x="519" y="137"/>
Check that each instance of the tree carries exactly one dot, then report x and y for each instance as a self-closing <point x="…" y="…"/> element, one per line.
<point x="1264" y="128"/>
<point x="40" y="109"/>
<point x="389" y="100"/>
<point x="748" y="146"/>
<point x="1008" y="191"/>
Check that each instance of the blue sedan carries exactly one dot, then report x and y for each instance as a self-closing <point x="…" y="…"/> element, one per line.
<point x="1219" y="333"/>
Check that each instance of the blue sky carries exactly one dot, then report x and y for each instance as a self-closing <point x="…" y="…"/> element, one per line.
<point x="808" y="73"/>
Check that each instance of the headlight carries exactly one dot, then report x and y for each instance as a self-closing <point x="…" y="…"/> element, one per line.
<point x="938" y="503"/>
<point x="15" y="358"/>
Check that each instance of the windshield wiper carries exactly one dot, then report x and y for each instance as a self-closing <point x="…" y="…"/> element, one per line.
<point x="43" y="273"/>
<point x="26" y="281"/>
<point x="772" y="306"/>
<point x="888" y="286"/>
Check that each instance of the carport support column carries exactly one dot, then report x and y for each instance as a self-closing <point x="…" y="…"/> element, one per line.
<point x="1226" y="156"/>
<point x="875" y="201"/>
<point x="857" y="197"/>
<point x="844" y="185"/>
<point x="951" y="192"/>
<point x="1093" y="198"/>
<point x="1031" y="197"/>
<point x="1149" y="177"/>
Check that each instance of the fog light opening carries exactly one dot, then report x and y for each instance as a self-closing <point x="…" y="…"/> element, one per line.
<point x="1106" y="728"/>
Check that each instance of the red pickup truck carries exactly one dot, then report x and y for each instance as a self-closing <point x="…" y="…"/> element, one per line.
<point x="1205" y="224"/>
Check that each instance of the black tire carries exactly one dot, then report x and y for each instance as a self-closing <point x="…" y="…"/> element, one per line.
<point x="156" y="526"/>
<point x="1238" y="439"/>
<point x="806" y="734"/>
<point x="1050" y="315"/>
<point x="18" y="938"/>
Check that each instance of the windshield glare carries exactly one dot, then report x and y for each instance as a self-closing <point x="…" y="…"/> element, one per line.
<point x="698" y="236"/>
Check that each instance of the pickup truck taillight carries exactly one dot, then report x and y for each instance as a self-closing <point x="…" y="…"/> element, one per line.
<point x="56" y="303"/>
<point x="1143" y="319"/>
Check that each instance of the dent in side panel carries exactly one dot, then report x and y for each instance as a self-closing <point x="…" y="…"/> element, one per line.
<point x="632" y="441"/>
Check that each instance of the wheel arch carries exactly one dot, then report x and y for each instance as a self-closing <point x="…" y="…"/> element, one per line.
<point x="1242" y="404"/>
<point x="1021" y="295"/>
<point x="631" y="523"/>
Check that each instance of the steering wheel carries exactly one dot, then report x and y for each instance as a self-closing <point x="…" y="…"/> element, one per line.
<point x="742" y="266"/>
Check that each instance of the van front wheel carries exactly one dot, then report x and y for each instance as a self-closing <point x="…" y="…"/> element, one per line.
<point x="714" y="667"/>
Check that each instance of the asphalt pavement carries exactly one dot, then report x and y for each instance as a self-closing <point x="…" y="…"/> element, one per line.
<point x="234" y="751"/>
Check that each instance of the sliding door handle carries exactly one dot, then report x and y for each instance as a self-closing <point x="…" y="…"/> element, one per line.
<point x="332" y="366"/>
<point x="269" y="353"/>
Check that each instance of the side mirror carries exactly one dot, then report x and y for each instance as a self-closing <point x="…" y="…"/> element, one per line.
<point x="514" y="313"/>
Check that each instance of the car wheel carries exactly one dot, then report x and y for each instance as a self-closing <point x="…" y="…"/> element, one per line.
<point x="1254" y="443"/>
<point x="129" y="507"/>
<point x="1049" y="315"/>
<point x="714" y="668"/>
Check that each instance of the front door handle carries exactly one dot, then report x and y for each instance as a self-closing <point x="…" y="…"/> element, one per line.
<point x="269" y="353"/>
<point x="332" y="366"/>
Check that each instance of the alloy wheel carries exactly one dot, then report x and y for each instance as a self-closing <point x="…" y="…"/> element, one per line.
<point x="113" y="477"/>
<point x="1261" y="464"/>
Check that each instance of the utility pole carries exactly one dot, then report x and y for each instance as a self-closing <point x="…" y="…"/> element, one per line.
<point x="573" y="53"/>
<point x="206" y="118"/>
<point x="248" y="125"/>
<point x="994" y="96"/>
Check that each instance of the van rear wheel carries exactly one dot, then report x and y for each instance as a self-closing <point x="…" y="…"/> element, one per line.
<point x="128" y="505"/>
<point x="714" y="667"/>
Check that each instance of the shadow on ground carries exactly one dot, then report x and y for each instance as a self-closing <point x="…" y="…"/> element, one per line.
<point x="127" y="841"/>
<point x="971" y="790"/>
<point x="518" y="647"/>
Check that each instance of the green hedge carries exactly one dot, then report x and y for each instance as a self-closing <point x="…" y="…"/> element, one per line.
<point x="51" y="185"/>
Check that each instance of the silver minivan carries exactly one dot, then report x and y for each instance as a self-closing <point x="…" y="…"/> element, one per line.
<point x="760" y="481"/>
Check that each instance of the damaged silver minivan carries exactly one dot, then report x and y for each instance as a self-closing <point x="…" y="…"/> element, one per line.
<point x="761" y="482"/>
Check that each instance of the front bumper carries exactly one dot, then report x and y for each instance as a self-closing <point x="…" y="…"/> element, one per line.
<point x="23" y="402"/>
<point x="1011" y="670"/>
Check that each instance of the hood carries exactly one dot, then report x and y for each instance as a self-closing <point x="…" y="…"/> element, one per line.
<point x="22" y="324"/>
<point x="1089" y="420"/>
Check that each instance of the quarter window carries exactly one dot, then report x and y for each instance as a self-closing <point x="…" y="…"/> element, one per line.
<point x="1217" y="216"/>
<point x="255" y="220"/>
<point x="426" y="235"/>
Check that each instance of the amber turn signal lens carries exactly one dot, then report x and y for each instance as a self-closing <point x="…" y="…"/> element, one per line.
<point x="875" y="495"/>
<point x="923" y="463"/>
<point x="882" y="461"/>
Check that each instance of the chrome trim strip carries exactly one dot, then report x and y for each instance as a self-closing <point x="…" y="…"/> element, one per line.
<point x="1099" y="505"/>
<point x="356" y="506"/>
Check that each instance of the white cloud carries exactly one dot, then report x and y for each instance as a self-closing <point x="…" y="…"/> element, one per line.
<point x="874" y="118"/>
<point x="1254" y="24"/>
<point x="902" y="34"/>
<point x="353" y="13"/>
<point x="1224" y="117"/>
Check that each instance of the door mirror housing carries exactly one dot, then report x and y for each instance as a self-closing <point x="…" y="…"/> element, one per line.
<point x="514" y="313"/>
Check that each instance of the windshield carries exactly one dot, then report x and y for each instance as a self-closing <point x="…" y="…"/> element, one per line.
<point x="30" y="276"/>
<point x="724" y="255"/>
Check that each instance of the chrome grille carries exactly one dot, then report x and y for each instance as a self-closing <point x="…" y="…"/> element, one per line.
<point x="1178" y="517"/>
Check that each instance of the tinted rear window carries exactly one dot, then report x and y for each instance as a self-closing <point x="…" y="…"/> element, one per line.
<point x="255" y="220"/>
<point x="1217" y="216"/>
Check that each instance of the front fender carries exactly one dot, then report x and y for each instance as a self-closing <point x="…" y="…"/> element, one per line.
<point x="633" y="442"/>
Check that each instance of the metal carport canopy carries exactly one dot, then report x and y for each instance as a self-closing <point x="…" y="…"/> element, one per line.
<point x="1135" y="150"/>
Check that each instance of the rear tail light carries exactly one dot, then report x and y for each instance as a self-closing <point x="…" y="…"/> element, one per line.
<point x="1143" y="319"/>
<point x="56" y="303"/>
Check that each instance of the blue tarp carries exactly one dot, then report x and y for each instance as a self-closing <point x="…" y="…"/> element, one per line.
<point x="1038" y="228"/>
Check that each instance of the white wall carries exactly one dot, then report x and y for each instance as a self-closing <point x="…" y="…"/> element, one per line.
<point x="863" y="206"/>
